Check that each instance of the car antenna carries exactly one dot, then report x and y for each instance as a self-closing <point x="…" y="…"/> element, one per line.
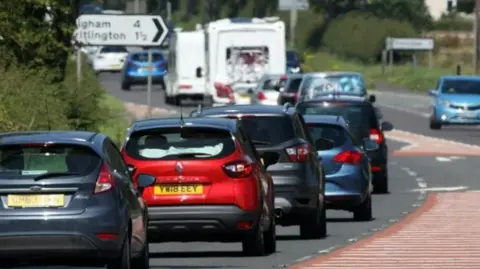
<point x="181" y="116"/>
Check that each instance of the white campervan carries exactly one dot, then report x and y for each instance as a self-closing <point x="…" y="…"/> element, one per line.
<point x="186" y="60"/>
<point x="239" y="52"/>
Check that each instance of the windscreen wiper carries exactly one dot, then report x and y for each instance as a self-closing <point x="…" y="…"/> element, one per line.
<point x="55" y="174"/>
<point x="259" y="142"/>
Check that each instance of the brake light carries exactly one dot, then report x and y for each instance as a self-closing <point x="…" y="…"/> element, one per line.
<point x="299" y="153"/>
<point x="261" y="96"/>
<point x="224" y="91"/>
<point x="348" y="157"/>
<point x="105" y="181"/>
<point x="107" y="236"/>
<point x="376" y="136"/>
<point x="238" y="169"/>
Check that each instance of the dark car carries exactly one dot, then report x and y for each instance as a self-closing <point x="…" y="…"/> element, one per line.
<point x="280" y="134"/>
<point x="136" y="69"/>
<point x="294" y="62"/>
<point x="364" y="121"/>
<point x="291" y="87"/>
<point x="210" y="183"/>
<point x="68" y="196"/>
<point x="346" y="165"/>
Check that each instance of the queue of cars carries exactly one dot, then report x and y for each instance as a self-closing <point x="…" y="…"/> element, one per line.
<point x="226" y="174"/>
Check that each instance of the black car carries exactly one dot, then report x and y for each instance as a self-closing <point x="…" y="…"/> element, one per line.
<point x="279" y="133"/>
<point x="364" y="121"/>
<point x="68" y="197"/>
<point x="290" y="89"/>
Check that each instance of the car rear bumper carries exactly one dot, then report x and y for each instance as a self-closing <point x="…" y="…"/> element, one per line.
<point x="200" y="223"/>
<point x="292" y="202"/>
<point x="61" y="236"/>
<point x="142" y="80"/>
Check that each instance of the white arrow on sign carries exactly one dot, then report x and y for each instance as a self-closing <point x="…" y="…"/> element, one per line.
<point x="120" y="30"/>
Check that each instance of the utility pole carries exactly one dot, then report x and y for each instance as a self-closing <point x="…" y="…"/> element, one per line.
<point x="476" y="28"/>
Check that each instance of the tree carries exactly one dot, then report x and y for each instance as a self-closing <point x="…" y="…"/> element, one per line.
<point x="412" y="11"/>
<point x="466" y="6"/>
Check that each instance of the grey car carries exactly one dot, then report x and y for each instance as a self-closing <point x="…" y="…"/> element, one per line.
<point x="67" y="197"/>
<point x="279" y="133"/>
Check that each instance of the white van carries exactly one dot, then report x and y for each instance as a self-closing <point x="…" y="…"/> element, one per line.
<point x="239" y="52"/>
<point x="186" y="60"/>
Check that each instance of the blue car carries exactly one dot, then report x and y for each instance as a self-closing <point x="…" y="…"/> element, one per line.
<point x="136" y="69"/>
<point x="294" y="62"/>
<point x="456" y="100"/>
<point x="347" y="169"/>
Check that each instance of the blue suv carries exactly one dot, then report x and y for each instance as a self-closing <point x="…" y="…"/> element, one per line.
<point x="456" y="100"/>
<point x="136" y="69"/>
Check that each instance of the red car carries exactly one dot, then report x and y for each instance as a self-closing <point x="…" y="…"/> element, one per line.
<point x="210" y="185"/>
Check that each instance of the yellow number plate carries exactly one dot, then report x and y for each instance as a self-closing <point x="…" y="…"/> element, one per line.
<point x="176" y="189"/>
<point x="50" y="200"/>
<point x="115" y="66"/>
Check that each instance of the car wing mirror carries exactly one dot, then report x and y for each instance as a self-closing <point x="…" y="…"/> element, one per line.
<point x="372" y="98"/>
<point x="370" y="145"/>
<point x="432" y="92"/>
<point x="387" y="126"/>
<point x="145" y="180"/>
<point x="198" y="72"/>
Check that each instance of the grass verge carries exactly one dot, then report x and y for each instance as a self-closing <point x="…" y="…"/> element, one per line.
<point x="419" y="79"/>
<point x="116" y="125"/>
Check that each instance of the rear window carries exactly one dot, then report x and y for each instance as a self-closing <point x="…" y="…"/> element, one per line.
<point x="335" y="134"/>
<point x="357" y="115"/>
<point x="114" y="49"/>
<point x="33" y="160"/>
<point x="143" y="57"/>
<point x="294" y="84"/>
<point x="180" y="143"/>
<point x="269" y="130"/>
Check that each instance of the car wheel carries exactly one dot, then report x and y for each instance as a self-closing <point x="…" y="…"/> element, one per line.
<point x="124" y="260"/>
<point x="125" y="86"/>
<point x="270" y="237"/>
<point x="381" y="184"/>
<point x="434" y="125"/>
<point x="254" y="243"/>
<point x="364" y="211"/>
<point x="142" y="261"/>
<point x="314" y="225"/>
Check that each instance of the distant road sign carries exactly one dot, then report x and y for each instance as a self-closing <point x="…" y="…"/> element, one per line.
<point x="285" y="5"/>
<point x="120" y="30"/>
<point x="409" y="44"/>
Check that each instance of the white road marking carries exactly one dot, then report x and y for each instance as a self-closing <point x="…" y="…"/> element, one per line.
<point x="441" y="189"/>
<point x="443" y="159"/>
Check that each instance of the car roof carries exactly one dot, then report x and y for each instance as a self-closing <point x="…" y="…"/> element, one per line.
<point x="337" y="98"/>
<point x="327" y="119"/>
<point x="246" y="109"/>
<point x="229" y="125"/>
<point x="333" y="73"/>
<point x="461" y="77"/>
<point x="89" y="139"/>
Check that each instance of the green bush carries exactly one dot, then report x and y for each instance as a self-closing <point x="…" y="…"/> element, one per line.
<point x="361" y="36"/>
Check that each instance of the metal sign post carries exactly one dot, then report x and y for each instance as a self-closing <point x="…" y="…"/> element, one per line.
<point x="123" y="30"/>
<point x="149" y="84"/>
<point x="293" y="6"/>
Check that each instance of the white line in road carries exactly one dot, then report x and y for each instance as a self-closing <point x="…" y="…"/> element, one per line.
<point x="443" y="159"/>
<point x="441" y="189"/>
<point x="417" y="113"/>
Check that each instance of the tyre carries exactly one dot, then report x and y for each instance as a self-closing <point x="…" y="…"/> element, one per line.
<point x="314" y="226"/>
<point x="434" y="125"/>
<point x="364" y="211"/>
<point x="123" y="261"/>
<point x="270" y="237"/>
<point x="142" y="261"/>
<point x="381" y="184"/>
<point x="125" y="86"/>
<point x="254" y="243"/>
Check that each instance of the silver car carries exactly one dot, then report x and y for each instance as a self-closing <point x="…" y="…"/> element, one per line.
<point x="268" y="89"/>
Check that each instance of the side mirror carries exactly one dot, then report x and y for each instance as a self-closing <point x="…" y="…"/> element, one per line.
<point x="268" y="158"/>
<point x="432" y="92"/>
<point x="324" y="144"/>
<point x="372" y="98"/>
<point x="387" y="126"/>
<point x="198" y="72"/>
<point x="144" y="180"/>
<point x="370" y="145"/>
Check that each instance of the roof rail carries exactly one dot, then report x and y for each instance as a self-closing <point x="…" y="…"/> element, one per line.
<point x="286" y="106"/>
